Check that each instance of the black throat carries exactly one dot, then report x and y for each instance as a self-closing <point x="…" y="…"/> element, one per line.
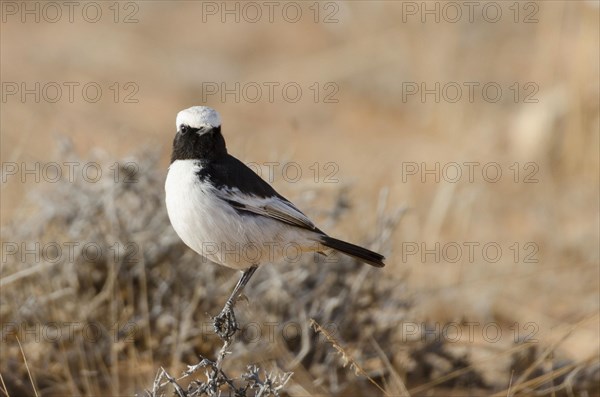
<point x="208" y="146"/>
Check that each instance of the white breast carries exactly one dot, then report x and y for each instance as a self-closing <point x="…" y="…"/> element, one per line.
<point x="212" y="228"/>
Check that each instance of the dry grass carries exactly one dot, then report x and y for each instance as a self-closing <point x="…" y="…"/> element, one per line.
<point x="151" y="309"/>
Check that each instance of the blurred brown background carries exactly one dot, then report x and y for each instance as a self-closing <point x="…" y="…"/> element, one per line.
<point x="366" y="56"/>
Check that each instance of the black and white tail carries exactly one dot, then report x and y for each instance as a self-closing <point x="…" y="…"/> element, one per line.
<point x="360" y="253"/>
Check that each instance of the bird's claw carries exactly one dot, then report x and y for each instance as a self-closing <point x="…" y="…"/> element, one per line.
<point x="225" y="324"/>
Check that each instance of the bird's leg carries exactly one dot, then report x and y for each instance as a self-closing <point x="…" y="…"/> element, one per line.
<point x="225" y="323"/>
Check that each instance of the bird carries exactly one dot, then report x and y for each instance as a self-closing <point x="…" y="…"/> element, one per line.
<point x="228" y="214"/>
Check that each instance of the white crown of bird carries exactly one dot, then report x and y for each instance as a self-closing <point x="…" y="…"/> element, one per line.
<point x="198" y="117"/>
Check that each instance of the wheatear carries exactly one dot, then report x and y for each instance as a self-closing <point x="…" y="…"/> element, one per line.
<point x="218" y="205"/>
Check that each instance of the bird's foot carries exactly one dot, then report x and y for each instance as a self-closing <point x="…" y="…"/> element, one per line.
<point x="225" y="324"/>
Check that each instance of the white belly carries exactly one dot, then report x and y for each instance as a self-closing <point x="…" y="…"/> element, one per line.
<point x="215" y="230"/>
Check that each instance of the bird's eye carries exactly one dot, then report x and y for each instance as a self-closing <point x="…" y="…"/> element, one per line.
<point x="184" y="128"/>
